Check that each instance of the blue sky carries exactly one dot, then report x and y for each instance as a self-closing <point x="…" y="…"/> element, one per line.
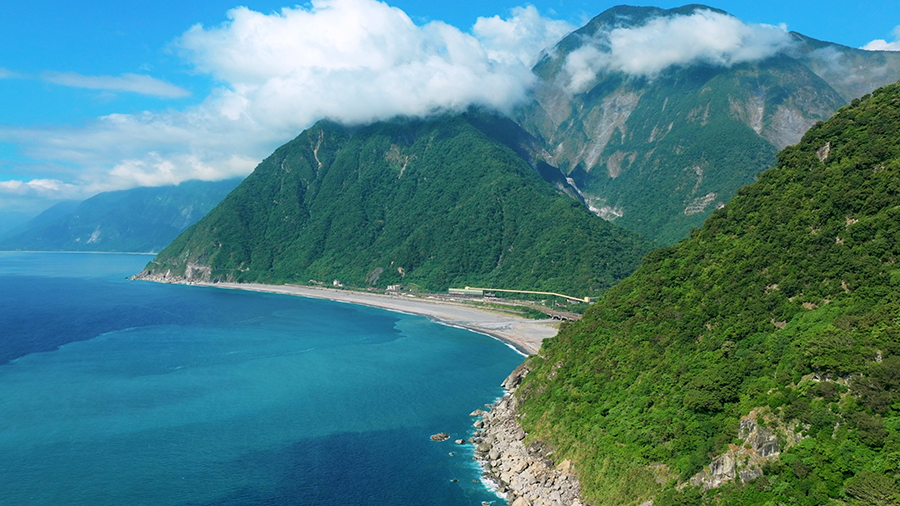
<point x="106" y="95"/>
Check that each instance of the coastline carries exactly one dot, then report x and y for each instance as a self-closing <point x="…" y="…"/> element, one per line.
<point x="522" y="475"/>
<point x="523" y="334"/>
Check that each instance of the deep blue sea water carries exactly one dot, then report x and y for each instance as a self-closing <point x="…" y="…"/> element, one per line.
<point x="116" y="392"/>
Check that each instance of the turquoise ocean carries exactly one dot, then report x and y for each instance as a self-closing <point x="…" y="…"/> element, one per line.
<point x="118" y="392"/>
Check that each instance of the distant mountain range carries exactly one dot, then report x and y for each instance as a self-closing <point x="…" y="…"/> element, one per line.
<point x="657" y="154"/>
<point x="453" y="200"/>
<point x="138" y="220"/>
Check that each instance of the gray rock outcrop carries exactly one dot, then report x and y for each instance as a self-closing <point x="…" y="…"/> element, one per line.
<point x="744" y="462"/>
<point x="193" y="273"/>
<point x="526" y="475"/>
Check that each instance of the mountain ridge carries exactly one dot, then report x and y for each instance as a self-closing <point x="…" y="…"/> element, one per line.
<point x="435" y="203"/>
<point x="143" y="219"/>
<point x="659" y="154"/>
<point x="778" y="313"/>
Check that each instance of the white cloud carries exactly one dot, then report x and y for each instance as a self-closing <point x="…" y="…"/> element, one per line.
<point x="155" y="170"/>
<point x="149" y="149"/>
<point x="25" y="199"/>
<point x="883" y="45"/>
<point x="38" y="188"/>
<point x="7" y="74"/>
<point x="134" y="83"/>
<point x="348" y="60"/>
<point x="522" y="37"/>
<point x="704" y="37"/>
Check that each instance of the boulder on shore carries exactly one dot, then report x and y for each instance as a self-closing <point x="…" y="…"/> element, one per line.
<point x="525" y="475"/>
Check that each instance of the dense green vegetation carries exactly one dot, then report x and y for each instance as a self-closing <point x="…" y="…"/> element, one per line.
<point x="694" y="149"/>
<point x="141" y="219"/>
<point x="658" y="155"/>
<point x="786" y="300"/>
<point x="438" y="202"/>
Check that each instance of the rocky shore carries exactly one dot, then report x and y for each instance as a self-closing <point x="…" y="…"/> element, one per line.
<point x="526" y="475"/>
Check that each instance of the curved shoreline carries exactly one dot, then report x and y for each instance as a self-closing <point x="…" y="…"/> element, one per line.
<point x="524" y="335"/>
<point x="520" y="475"/>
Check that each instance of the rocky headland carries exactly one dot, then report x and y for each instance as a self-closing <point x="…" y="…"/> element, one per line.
<point x="526" y="475"/>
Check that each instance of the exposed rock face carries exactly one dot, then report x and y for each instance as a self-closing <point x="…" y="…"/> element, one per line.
<point x="624" y="138"/>
<point x="745" y="462"/>
<point x="823" y="152"/>
<point x="192" y="273"/>
<point x="526" y="474"/>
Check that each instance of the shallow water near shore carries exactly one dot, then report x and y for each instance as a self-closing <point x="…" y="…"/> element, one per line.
<point x="121" y="392"/>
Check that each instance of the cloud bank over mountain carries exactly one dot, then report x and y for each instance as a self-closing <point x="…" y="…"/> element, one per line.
<point x="704" y="37"/>
<point x="883" y="45"/>
<point x="353" y="61"/>
<point x="521" y="38"/>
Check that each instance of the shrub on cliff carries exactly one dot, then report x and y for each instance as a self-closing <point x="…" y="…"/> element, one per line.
<point x="787" y="299"/>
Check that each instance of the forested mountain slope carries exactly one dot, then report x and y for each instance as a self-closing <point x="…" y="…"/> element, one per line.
<point x="448" y="201"/>
<point x="770" y="338"/>
<point x="144" y="219"/>
<point x="658" y="153"/>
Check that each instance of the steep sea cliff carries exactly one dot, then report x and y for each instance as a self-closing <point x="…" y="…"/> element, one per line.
<point x="526" y="475"/>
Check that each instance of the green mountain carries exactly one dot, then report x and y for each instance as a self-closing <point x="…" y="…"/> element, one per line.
<point x="447" y="201"/>
<point x="758" y="361"/>
<point x="138" y="220"/>
<point x="658" y="155"/>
